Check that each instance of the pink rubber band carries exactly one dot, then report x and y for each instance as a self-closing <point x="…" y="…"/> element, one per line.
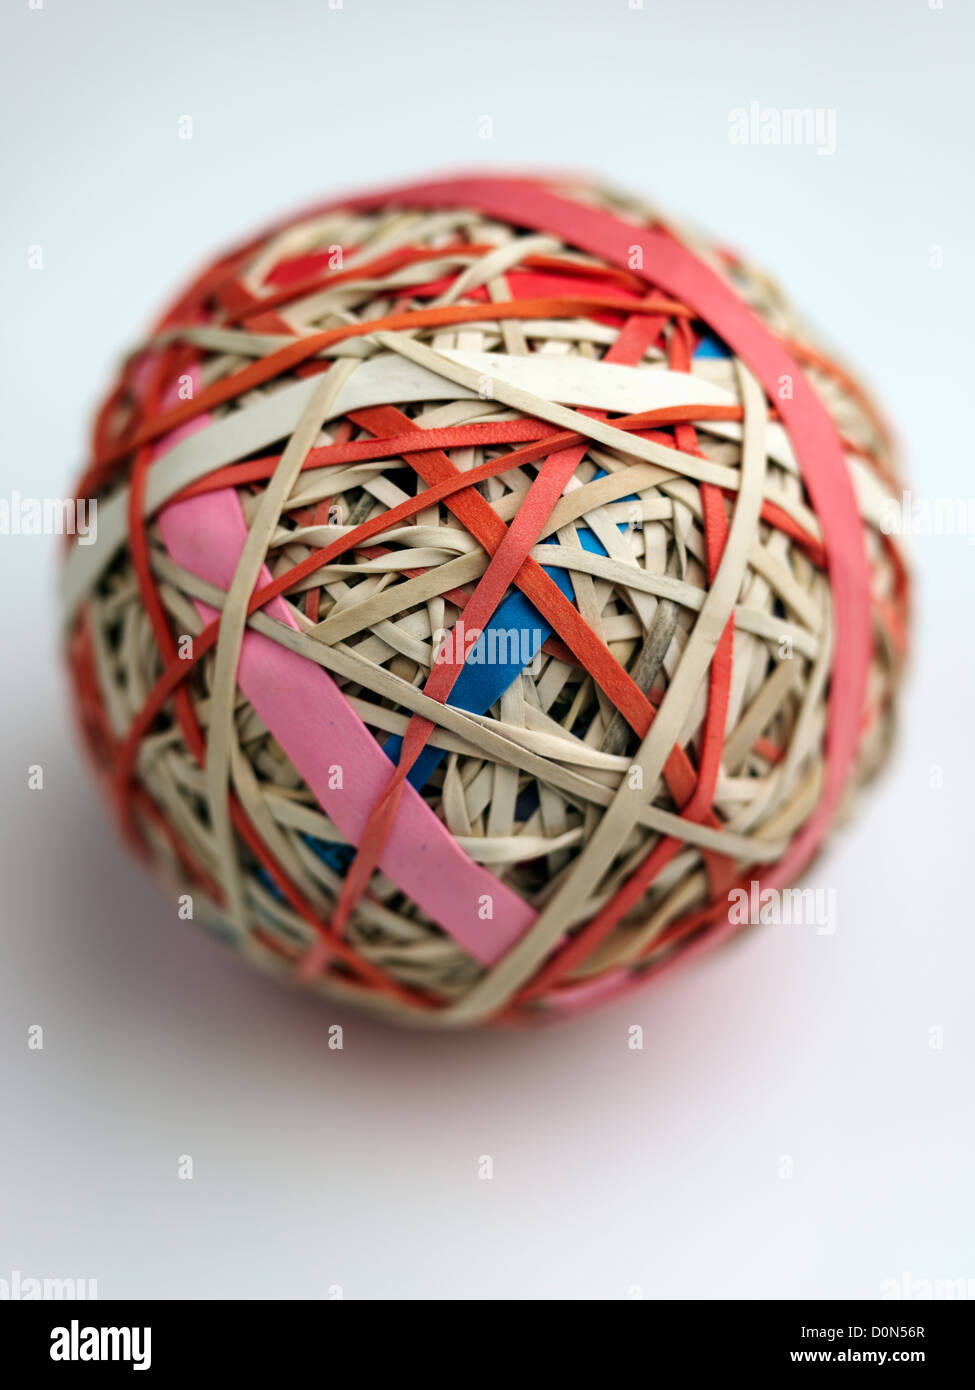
<point x="318" y="729"/>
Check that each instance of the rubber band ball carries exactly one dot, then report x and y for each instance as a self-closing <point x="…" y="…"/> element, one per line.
<point x="490" y="597"/>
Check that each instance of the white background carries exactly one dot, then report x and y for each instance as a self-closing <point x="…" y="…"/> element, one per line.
<point x="613" y="1169"/>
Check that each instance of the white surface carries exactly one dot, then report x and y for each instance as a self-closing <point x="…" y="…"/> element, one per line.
<point x="613" y="1168"/>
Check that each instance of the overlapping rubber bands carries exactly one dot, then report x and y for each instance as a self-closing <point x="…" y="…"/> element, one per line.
<point x="498" y="407"/>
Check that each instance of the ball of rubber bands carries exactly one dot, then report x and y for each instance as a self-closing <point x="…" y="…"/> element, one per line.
<point x="489" y="594"/>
